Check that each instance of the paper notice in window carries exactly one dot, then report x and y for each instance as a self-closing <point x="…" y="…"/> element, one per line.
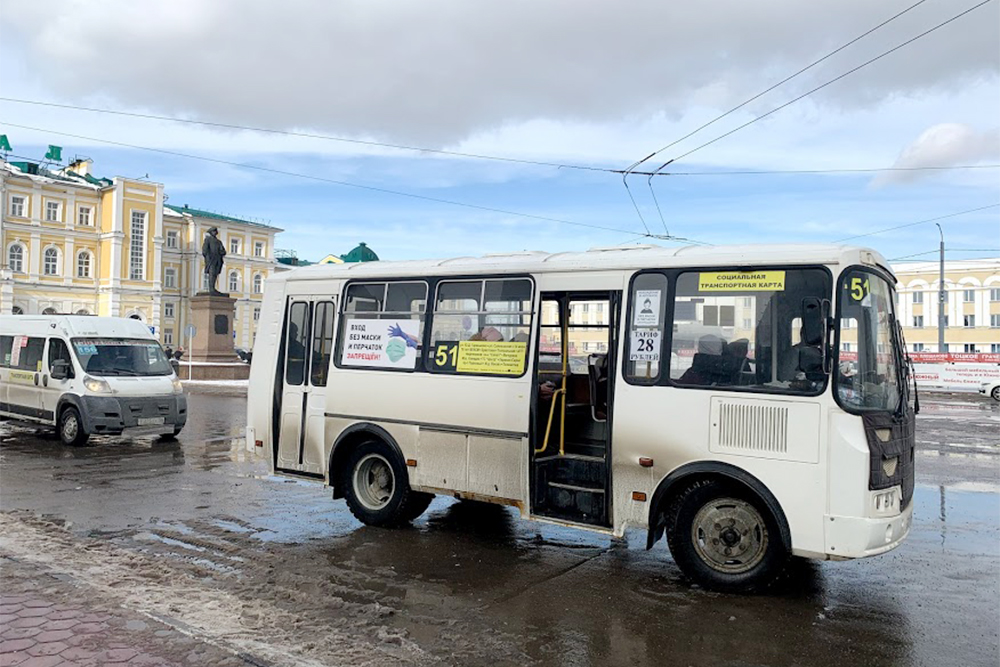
<point x="644" y="345"/>
<point x="646" y="308"/>
<point x="741" y="281"/>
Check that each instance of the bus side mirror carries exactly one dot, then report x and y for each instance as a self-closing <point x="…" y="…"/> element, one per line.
<point x="59" y="370"/>
<point x="813" y="321"/>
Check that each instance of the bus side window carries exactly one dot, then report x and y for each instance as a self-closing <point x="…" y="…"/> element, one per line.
<point x="298" y="340"/>
<point x="6" y="344"/>
<point x="322" y="344"/>
<point x="646" y="327"/>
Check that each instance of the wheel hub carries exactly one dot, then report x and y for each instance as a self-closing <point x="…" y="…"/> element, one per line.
<point x="729" y="535"/>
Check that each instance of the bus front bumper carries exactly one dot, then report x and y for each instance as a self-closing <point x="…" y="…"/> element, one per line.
<point x="859" y="537"/>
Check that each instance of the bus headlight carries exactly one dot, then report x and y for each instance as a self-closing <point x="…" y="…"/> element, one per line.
<point x="96" y="386"/>
<point x="178" y="387"/>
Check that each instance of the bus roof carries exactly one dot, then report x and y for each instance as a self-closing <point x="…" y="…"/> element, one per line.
<point x="596" y="259"/>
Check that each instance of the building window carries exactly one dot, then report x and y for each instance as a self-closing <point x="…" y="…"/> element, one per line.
<point x="969" y="348"/>
<point x="50" y="264"/>
<point x="846" y="347"/>
<point x="83" y="264"/>
<point x="918" y="347"/>
<point x="168" y="336"/>
<point x="83" y="217"/>
<point x="945" y="321"/>
<point x="995" y="294"/>
<point x="234" y="246"/>
<point x="16" y="310"/>
<point x="258" y="284"/>
<point x="995" y="321"/>
<point x="15" y="258"/>
<point x="170" y="278"/>
<point x="747" y="323"/>
<point x="137" y="247"/>
<point x="204" y="281"/>
<point x="83" y="311"/>
<point x="994" y="347"/>
<point x="172" y="240"/>
<point x="234" y="281"/>
<point x="17" y="206"/>
<point x="918" y="321"/>
<point x="918" y="297"/>
<point x="53" y="209"/>
<point x="969" y="321"/>
<point x="969" y="295"/>
<point x="256" y="314"/>
<point x="168" y="310"/>
<point x="258" y="249"/>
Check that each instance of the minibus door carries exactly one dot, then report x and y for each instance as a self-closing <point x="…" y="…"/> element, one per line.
<point x="308" y="346"/>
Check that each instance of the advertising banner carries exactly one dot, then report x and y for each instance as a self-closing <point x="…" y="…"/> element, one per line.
<point x="381" y="344"/>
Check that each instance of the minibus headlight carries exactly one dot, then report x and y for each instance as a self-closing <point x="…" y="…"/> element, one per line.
<point x="178" y="387"/>
<point x="96" y="386"/>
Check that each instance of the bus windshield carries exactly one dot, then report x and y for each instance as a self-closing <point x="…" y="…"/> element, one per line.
<point x="868" y="376"/>
<point x="121" y="356"/>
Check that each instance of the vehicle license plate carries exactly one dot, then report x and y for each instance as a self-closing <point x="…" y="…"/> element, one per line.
<point x="150" y="421"/>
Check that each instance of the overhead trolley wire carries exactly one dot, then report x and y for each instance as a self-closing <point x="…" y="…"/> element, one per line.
<point x="770" y="88"/>
<point x="371" y="188"/>
<point x="919" y="222"/>
<point x="475" y="156"/>
<point x="830" y="82"/>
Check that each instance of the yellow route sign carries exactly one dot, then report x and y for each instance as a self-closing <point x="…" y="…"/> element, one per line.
<point x="497" y="358"/>
<point x="741" y="281"/>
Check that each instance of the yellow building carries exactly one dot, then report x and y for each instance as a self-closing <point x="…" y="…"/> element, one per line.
<point x="972" y="309"/>
<point x="73" y="243"/>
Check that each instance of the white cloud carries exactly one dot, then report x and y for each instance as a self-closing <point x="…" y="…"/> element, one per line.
<point x="944" y="144"/>
<point x="440" y="71"/>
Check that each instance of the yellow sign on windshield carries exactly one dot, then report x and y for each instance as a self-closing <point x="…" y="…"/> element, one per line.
<point x="497" y="358"/>
<point x="741" y="281"/>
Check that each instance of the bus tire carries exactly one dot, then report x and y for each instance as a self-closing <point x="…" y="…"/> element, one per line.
<point x="377" y="488"/>
<point x="724" y="539"/>
<point x="70" y="428"/>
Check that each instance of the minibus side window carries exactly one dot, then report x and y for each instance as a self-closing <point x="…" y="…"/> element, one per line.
<point x="481" y="327"/>
<point x="298" y="340"/>
<point x="322" y="343"/>
<point x="59" y="351"/>
<point x="6" y="343"/>
<point x="382" y="326"/>
<point x="646" y="328"/>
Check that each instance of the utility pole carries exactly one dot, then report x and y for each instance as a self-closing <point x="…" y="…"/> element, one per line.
<point x="942" y="294"/>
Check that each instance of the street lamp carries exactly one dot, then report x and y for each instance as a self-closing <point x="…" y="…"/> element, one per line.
<point x="942" y="293"/>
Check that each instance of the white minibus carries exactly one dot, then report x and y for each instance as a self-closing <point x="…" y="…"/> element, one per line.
<point x="86" y="375"/>
<point x="697" y="393"/>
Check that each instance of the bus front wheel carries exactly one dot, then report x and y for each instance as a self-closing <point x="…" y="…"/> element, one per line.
<point x="70" y="427"/>
<point x="723" y="538"/>
<point x="377" y="488"/>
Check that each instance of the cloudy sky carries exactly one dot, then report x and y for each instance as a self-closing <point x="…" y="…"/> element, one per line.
<point x="585" y="84"/>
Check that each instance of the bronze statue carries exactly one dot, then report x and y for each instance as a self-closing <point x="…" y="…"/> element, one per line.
<point x="213" y="251"/>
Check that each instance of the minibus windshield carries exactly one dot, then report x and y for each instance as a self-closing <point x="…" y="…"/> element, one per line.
<point x="121" y="356"/>
<point x="868" y="377"/>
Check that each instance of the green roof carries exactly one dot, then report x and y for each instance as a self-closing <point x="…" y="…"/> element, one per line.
<point x="362" y="253"/>
<point x="214" y="216"/>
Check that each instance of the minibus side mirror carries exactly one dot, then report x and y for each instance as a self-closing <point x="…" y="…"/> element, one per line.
<point x="60" y="369"/>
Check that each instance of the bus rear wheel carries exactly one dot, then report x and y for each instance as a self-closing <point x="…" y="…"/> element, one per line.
<point x="70" y="428"/>
<point x="724" y="539"/>
<point x="377" y="488"/>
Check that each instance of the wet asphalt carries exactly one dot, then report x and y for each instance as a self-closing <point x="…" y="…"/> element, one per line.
<point x="200" y="521"/>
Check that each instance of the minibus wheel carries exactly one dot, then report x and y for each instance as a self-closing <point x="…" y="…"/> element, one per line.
<point x="724" y="538"/>
<point x="70" y="427"/>
<point x="377" y="488"/>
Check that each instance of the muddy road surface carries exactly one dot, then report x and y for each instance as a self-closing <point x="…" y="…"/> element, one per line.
<point x="197" y="537"/>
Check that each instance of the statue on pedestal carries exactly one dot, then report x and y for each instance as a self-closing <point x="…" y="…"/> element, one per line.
<point x="213" y="251"/>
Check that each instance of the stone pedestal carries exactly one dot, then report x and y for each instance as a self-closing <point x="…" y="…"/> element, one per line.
<point x="213" y="317"/>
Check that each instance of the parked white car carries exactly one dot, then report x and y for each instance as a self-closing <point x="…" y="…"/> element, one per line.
<point x="991" y="389"/>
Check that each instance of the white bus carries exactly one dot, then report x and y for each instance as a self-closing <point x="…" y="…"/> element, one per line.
<point x="694" y="392"/>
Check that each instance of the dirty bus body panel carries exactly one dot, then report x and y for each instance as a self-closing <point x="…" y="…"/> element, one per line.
<point x="747" y="403"/>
